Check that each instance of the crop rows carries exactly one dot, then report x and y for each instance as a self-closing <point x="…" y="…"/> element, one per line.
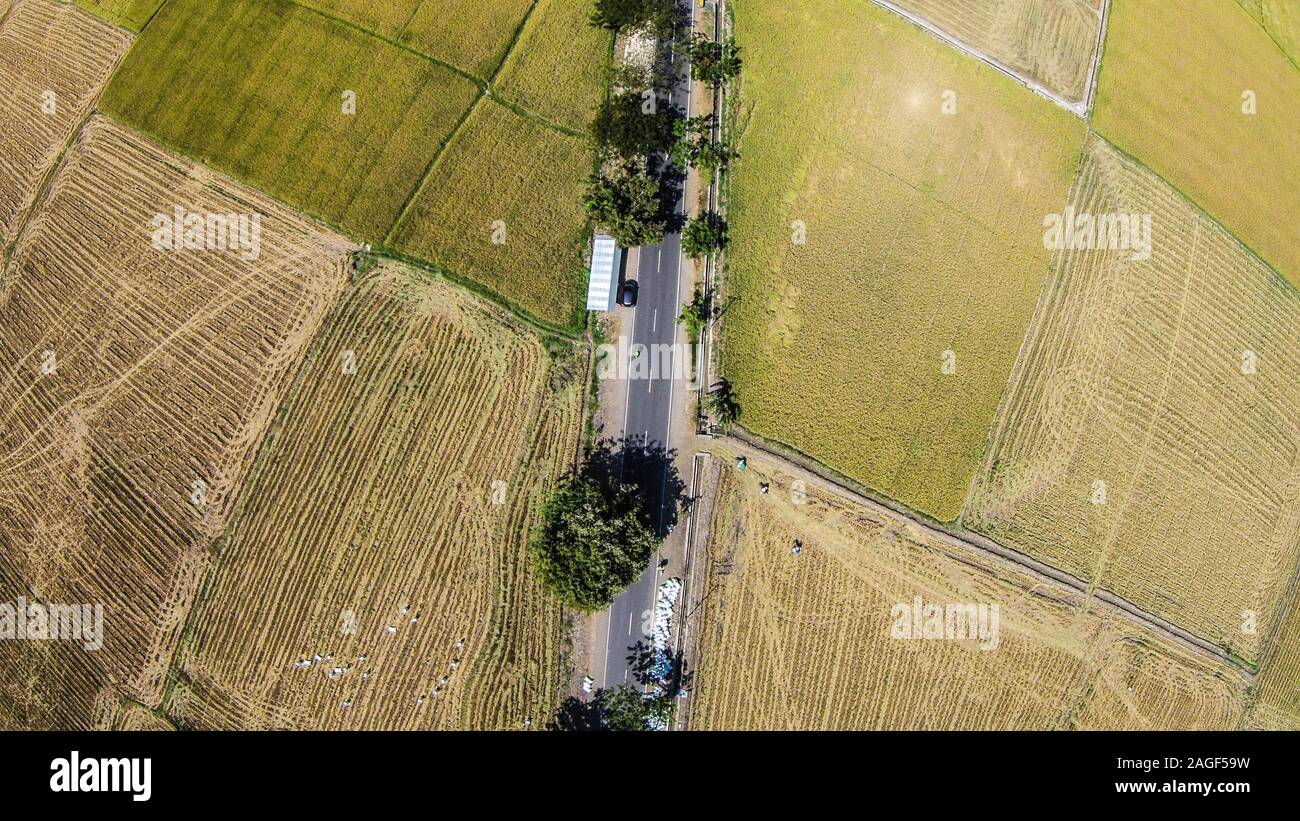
<point x="138" y="384"/>
<point x="53" y="61"/>
<point x="1277" y="690"/>
<point x="804" y="641"/>
<point x="1149" y="440"/>
<point x="1052" y="41"/>
<point x="376" y="575"/>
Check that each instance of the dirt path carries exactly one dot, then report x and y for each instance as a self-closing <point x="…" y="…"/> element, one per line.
<point x="1078" y="109"/>
<point x="965" y="542"/>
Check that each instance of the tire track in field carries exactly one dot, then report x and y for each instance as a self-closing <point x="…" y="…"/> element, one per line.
<point x="963" y="541"/>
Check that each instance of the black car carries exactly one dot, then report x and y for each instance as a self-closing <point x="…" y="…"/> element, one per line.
<point x="627" y="294"/>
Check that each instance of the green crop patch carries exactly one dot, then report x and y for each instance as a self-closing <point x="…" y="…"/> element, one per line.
<point x="1208" y="101"/>
<point x="131" y="14"/>
<point x="473" y="35"/>
<point x="886" y="243"/>
<point x="309" y="109"/>
<point x="501" y="206"/>
<point x="553" y="69"/>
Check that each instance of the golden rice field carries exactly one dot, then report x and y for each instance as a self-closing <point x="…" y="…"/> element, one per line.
<point x="375" y="542"/>
<point x="501" y="206"/>
<point x="1150" y="440"/>
<point x="131" y="14"/>
<point x="1051" y="41"/>
<point x="136" y="385"/>
<point x="53" y="62"/>
<point x="429" y="157"/>
<point x="923" y="243"/>
<point x="552" y="70"/>
<point x="255" y="88"/>
<point x="1171" y="92"/>
<point x="472" y="35"/>
<point x="1281" y="21"/>
<point x="807" y="641"/>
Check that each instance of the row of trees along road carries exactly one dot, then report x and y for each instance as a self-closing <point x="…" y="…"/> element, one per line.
<point x="596" y="535"/>
<point x="637" y="130"/>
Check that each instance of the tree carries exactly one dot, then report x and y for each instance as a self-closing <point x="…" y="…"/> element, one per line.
<point x="632" y="124"/>
<point x="627" y="708"/>
<point x="713" y="63"/>
<point x="704" y="235"/>
<point x="628" y="204"/>
<point x="656" y="16"/>
<point x="721" y="402"/>
<point x="695" y="315"/>
<point x="594" y="539"/>
<point x="695" y="146"/>
<point x="702" y="153"/>
<point x="620" y="709"/>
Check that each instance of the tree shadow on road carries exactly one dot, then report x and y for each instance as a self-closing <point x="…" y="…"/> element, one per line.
<point x="651" y="469"/>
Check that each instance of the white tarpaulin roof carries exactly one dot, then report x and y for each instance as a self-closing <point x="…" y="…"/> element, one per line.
<point x="601" y="286"/>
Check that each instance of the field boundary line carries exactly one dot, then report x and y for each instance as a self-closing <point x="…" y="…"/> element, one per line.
<point x="156" y="11"/>
<point x="1270" y="36"/>
<point x="1042" y="307"/>
<point x="1079" y="109"/>
<point x="476" y="80"/>
<point x="971" y="541"/>
<point x="1295" y="287"/>
<point x="534" y="117"/>
<point x="510" y="46"/>
<point x="428" y="171"/>
<point x="1094" y="74"/>
<point x="521" y="110"/>
<point x="39" y="195"/>
<point x="484" y="86"/>
<point x="481" y="291"/>
<point x="383" y="250"/>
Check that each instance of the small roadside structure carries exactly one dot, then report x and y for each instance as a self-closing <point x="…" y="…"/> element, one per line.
<point x="602" y="284"/>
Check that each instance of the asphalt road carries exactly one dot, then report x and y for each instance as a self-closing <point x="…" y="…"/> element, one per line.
<point x="648" y="420"/>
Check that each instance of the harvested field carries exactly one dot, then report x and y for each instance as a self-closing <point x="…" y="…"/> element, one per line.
<point x="46" y="48"/>
<point x="1051" y="41"/>
<point x="134" y="718"/>
<point x="553" y="69"/>
<point x="507" y="178"/>
<point x="132" y="14"/>
<point x="262" y="83"/>
<point x="923" y="243"/>
<point x="1175" y="383"/>
<point x="809" y="641"/>
<point x="137" y="385"/>
<point x="472" y="35"/>
<point x="375" y="542"/>
<point x="1171" y="92"/>
<point x="1277" y="690"/>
